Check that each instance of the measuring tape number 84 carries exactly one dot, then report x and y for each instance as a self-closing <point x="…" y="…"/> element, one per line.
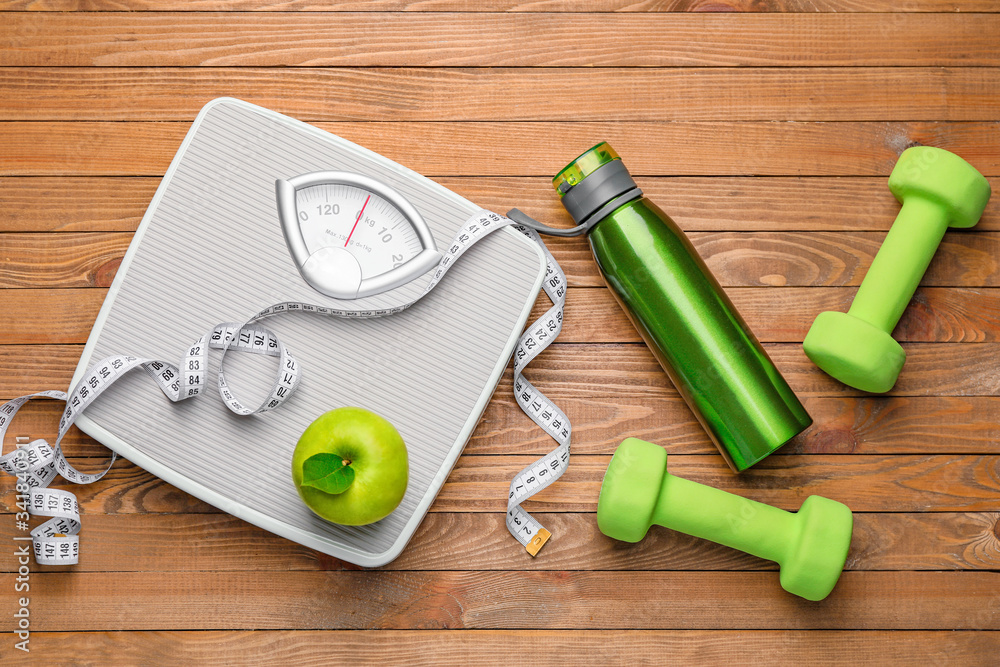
<point x="56" y="542"/>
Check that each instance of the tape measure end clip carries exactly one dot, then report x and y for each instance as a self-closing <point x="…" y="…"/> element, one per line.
<point x="537" y="542"/>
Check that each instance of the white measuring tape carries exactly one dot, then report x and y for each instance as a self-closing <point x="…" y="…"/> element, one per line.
<point x="551" y="419"/>
<point x="56" y="541"/>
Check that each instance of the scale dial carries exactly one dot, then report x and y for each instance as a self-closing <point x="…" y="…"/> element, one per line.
<point x="353" y="236"/>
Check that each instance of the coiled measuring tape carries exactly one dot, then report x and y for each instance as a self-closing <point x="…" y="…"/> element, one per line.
<point x="56" y="542"/>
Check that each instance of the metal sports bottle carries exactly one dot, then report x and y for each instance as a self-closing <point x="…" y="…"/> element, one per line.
<point x="680" y="310"/>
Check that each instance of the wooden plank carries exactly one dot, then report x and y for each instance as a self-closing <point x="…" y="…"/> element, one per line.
<point x="510" y="94"/>
<point x="841" y="426"/>
<point x="931" y="369"/>
<point x="137" y="39"/>
<point x="875" y="425"/>
<point x="737" y="259"/>
<point x="53" y="316"/>
<point x="865" y="483"/>
<point x="806" y="259"/>
<point x="513" y="6"/>
<point x="74" y="204"/>
<point x="630" y="371"/>
<point x="455" y="149"/>
<point x="65" y="316"/>
<point x="494" y="600"/>
<point x="483" y="647"/>
<point x="826" y="258"/>
<point x="26" y="369"/>
<point x="467" y="541"/>
<point x="50" y="261"/>
<point x="575" y="369"/>
<point x="925" y="483"/>
<point x="116" y="204"/>
<point x="654" y="411"/>
<point x="785" y="315"/>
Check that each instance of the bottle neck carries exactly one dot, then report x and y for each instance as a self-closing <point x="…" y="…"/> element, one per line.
<point x="610" y="207"/>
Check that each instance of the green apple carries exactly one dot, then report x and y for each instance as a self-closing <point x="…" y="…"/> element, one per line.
<point x="350" y="467"/>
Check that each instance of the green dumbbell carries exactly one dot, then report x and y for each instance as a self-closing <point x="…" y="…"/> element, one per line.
<point x="938" y="190"/>
<point x="810" y="545"/>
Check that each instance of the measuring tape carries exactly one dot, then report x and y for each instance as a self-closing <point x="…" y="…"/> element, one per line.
<point x="551" y="419"/>
<point x="56" y="541"/>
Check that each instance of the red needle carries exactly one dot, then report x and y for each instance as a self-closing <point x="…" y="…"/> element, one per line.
<point x="356" y="221"/>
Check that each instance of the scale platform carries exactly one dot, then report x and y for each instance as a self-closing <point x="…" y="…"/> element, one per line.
<point x="210" y="249"/>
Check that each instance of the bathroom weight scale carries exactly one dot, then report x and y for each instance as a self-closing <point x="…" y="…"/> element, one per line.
<point x="211" y="248"/>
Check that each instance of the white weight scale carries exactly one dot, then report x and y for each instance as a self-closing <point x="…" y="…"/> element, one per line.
<point x="211" y="249"/>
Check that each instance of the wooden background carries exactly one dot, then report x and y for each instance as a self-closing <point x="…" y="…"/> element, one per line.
<point x="765" y="127"/>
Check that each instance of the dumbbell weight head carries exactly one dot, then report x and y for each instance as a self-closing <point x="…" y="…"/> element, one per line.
<point x="855" y="352"/>
<point x="631" y="490"/>
<point x="944" y="178"/>
<point x="817" y="556"/>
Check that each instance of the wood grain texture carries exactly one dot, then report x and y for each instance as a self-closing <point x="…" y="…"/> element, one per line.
<point x="62" y="316"/>
<point x="898" y="483"/>
<point x="766" y="128"/>
<point x="509" y="600"/>
<point x="514" y="6"/>
<point x="965" y="258"/>
<point x="890" y="483"/>
<point x="695" y="148"/>
<point x="450" y="541"/>
<point x="872" y="425"/>
<point x="483" y="647"/>
<point x="733" y="203"/>
<point x="509" y="94"/>
<point x="627" y="370"/>
<point x="875" y="425"/>
<point x="51" y="316"/>
<point x="61" y="260"/>
<point x="137" y="39"/>
<point x="631" y="371"/>
<point x="595" y="647"/>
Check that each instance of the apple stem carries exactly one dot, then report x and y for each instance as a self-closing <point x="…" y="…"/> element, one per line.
<point x="346" y="462"/>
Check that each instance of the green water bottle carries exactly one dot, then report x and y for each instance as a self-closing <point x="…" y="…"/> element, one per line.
<point x="680" y="310"/>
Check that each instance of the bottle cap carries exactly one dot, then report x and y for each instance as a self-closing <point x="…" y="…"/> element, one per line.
<point x="594" y="184"/>
<point x="583" y="166"/>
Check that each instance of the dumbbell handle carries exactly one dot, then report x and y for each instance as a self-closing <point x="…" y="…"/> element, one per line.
<point x="734" y="521"/>
<point x="900" y="263"/>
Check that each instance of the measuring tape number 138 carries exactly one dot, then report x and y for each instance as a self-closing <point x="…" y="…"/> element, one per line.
<point x="56" y="542"/>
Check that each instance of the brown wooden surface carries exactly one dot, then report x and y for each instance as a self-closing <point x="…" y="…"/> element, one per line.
<point x="765" y="128"/>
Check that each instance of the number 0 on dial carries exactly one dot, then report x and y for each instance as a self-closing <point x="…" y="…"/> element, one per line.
<point x="352" y="236"/>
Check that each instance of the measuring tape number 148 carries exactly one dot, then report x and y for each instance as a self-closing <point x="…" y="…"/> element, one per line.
<point x="36" y="464"/>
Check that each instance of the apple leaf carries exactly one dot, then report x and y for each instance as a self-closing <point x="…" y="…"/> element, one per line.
<point x="327" y="472"/>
